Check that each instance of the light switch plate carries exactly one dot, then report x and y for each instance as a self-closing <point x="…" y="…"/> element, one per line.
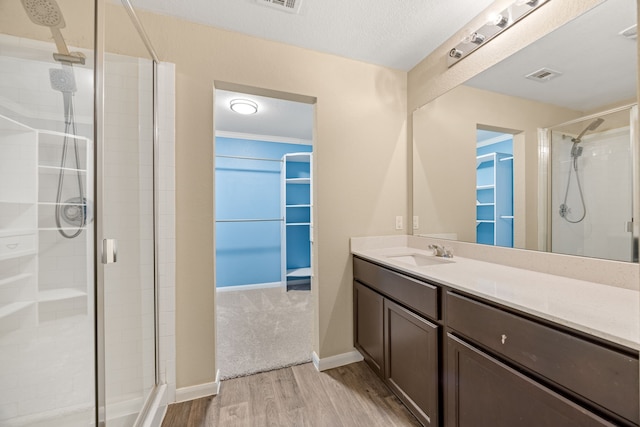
<point x="416" y="222"/>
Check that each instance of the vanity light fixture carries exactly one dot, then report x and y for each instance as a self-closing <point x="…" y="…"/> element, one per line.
<point x="243" y="106"/>
<point x="496" y="24"/>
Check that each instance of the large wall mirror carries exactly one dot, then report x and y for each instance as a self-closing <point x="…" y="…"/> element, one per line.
<point x="537" y="151"/>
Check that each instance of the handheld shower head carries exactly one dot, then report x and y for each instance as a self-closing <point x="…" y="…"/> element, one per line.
<point x="592" y="126"/>
<point x="48" y="14"/>
<point x="62" y="80"/>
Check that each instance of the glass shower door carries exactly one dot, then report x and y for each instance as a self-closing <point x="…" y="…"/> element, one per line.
<point x="47" y="358"/>
<point x="127" y="212"/>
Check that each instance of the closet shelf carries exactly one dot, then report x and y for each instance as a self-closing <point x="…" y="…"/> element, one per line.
<point x="17" y="202"/>
<point x="56" y="169"/>
<point x="17" y="232"/>
<point x="17" y="254"/>
<point x="298" y="206"/>
<point x="299" y="272"/>
<point x="506" y="216"/>
<point x="14" y="307"/>
<point x="298" y="223"/>
<point x="485" y="187"/>
<point x="485" y="204"/>
<point x="298" y="180"/>
<point x="14" y="279"/>
<point x="60" y="294"/>
<point x="484" y="221"/>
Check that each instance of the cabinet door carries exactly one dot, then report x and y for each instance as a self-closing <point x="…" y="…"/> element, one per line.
<point x="411" y="361"/>
<point x="368" y="326"/>
<point x="482" y="392"/>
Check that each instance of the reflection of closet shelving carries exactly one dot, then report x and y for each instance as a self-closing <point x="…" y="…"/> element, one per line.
<point x="297" y="213"/>
<point x="18" y="221"/>
<point x="494" y="199"/>
<point x="27" y="194"/>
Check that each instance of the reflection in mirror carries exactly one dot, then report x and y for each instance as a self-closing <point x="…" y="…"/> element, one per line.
<point x="492" y="157"/>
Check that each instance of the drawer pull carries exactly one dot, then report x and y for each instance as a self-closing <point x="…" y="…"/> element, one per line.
<point x="12" y="245"/>
<point x="504" y="338"/>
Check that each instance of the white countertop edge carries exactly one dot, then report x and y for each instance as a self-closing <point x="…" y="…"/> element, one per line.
<point x="575" y="302"/>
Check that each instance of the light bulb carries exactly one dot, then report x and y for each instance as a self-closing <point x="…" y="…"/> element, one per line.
<point x="499" y="21"/>
<point x="475" y="38"/>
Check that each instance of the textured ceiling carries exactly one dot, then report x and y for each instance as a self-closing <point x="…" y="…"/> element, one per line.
<point x="392" y="33"/>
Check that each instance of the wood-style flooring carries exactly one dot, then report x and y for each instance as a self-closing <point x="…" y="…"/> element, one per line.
<point x="299" y="396"/>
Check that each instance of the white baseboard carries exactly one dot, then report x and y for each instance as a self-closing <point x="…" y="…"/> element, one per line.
<point x="335" y="361"/>
<point x="197" y="391"/>
<point x="249" y="287"/>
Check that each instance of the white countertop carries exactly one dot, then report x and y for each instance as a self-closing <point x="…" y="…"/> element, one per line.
<point x="604" y="311"/>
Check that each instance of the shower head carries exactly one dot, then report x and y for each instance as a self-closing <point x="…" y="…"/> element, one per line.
<point x="62" y="80"/>
<point x="592" y="126"/>
<point x="44" y="12"/>
<point x="48" y="14"/>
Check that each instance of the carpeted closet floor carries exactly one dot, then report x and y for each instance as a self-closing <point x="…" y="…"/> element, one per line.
<point x="262" y="329"/>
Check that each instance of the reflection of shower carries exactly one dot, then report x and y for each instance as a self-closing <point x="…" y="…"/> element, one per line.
<point x="47" y="13"/>
<point x="576" y="152"/>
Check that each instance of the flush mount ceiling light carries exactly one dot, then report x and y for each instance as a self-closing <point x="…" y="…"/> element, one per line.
<point x="243" y="106"/>
<point x="495" y="24"/>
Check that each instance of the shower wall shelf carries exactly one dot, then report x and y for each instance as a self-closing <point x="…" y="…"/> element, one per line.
<point x="494" y="199"/>
<point x="297" y="211"/>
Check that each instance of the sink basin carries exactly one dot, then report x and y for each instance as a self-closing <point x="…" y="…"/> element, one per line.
<point x="419" y="260"/>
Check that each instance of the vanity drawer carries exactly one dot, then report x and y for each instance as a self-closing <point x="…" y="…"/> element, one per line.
<point x="414" y="294"/>
<point x="600" y="375"/>
<point x="17" y="245"/>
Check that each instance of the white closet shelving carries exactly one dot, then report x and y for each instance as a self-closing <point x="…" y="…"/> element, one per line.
<point x="297" y="213"/>
<point x="494" y="199"/>
<point x="28" y="179"/>
<point x="18" y="222"/>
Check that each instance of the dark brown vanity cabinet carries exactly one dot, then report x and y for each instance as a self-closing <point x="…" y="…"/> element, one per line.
<point x="457" y="360"/>
<point x="399" y="344"/>
<point x="411" y="361"/>
<point x="482" y="392"/>
<point x="368" y="307"/>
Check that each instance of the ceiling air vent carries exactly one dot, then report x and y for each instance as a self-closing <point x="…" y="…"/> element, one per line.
<point x="291" y="6"/>
<point x="543" y="75"/>
<point x="630" y="33"/>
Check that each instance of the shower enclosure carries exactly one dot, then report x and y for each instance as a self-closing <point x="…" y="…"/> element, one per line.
<point x="78" y="240"/>
<point x="590" y="203"/>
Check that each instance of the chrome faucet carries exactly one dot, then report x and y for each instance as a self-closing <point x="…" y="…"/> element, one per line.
<point x="441" y="251"/>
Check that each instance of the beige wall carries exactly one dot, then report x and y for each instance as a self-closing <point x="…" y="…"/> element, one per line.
<point x="360" y="158"/>
<point x="444" y="159"/>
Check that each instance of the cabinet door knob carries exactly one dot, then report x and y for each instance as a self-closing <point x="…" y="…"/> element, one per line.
<point x="504" y="338"/>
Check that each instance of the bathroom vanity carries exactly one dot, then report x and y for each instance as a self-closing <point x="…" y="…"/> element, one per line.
<point x="470" y="344"/>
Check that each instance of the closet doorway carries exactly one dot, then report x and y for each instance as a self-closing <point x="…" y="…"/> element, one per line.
<point x="263" y="233"/>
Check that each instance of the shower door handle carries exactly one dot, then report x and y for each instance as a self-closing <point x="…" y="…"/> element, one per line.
<point x="109" y="251"/>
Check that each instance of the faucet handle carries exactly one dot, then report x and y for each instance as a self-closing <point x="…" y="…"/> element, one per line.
<point x="448" y="252"/>
<point x="437" y="250"/>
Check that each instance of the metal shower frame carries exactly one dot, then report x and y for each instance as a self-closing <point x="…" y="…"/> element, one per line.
<point x="99" y="271"/>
